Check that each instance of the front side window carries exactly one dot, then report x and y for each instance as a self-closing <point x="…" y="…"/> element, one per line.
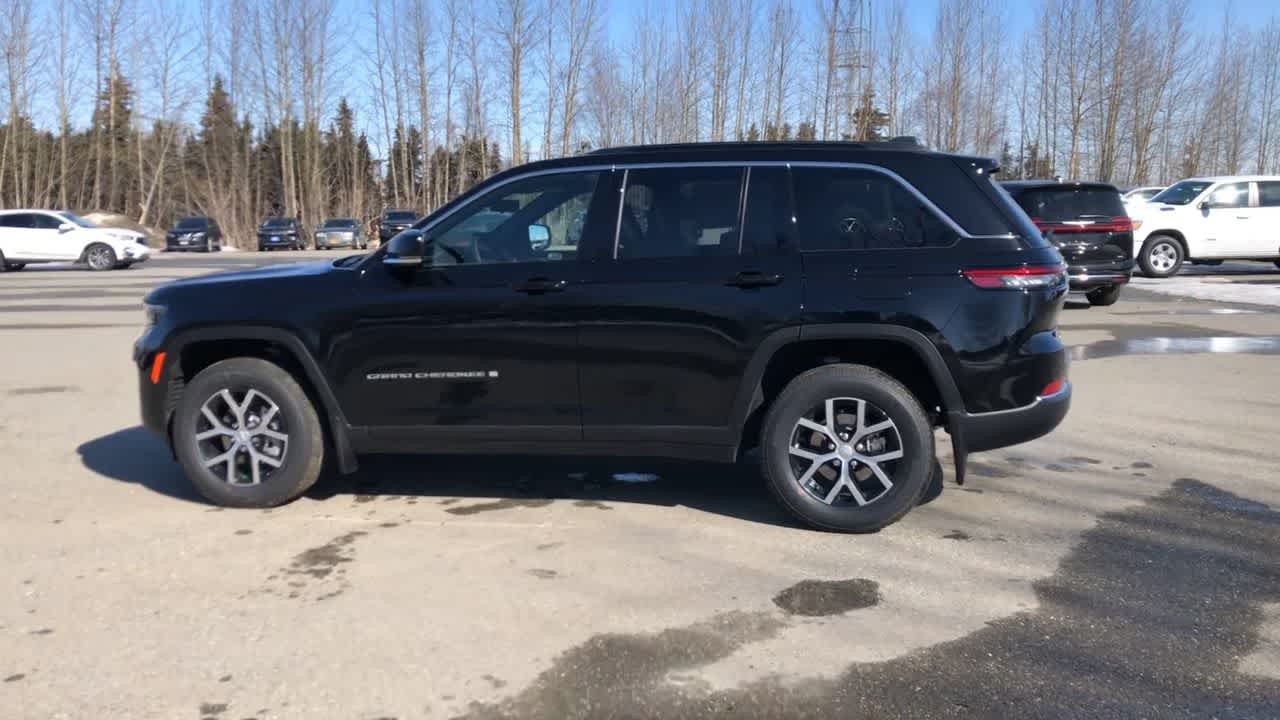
<point x="1230" y="195"/>
<point x="41" y="221"/>
<point x="853" y="209"/>
<point x="679" y="212"/>
<point x="531" y="220"/>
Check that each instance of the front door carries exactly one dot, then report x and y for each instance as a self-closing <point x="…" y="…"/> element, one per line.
<point x="1229" y="224"/>
<point x="680" y="307"/>
<point x="480" y="344"/>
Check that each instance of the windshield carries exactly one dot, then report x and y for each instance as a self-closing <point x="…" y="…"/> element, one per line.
<point x="1182" y="193"/>
<point x="277" y="222"/>
<point x="1030" y="233"/>
<point x="190" y="224"/>
<point x="74" y="218"/>
<point x="339" y="223"/>
<point x="1070" y="203"/>
<point x="401" y="216"/>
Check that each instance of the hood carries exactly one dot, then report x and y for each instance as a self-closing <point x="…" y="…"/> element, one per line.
<point x="237" y="281"/>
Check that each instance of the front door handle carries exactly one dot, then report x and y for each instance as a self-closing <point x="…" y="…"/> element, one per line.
<point x="538" y="286"/>
<point x="754" y="279"/>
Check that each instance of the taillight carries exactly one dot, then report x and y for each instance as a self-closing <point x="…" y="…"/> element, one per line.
<point x="1119" y="223"/>
<point x="1027" y="277"/>
<point x="1053" y="388"/>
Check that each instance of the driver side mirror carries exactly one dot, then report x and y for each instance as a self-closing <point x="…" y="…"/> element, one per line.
<point x="539" y="237"/>
<point x="1204" y="205"/>
<point x="405" y="250"/>
<point x="66" y="227"/>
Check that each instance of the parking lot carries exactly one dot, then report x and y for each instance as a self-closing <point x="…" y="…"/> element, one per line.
<point x="1124" y="566"/>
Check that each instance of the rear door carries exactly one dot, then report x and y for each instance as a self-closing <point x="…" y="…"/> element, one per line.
<point x="1088" y="224"/>
<point x="679" y="305"/>
<point x="1267" y="219"/>
<point x="15" y="236"/>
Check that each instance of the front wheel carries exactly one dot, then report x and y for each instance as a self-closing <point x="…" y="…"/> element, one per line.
<point x="1277" y="263"/>
<point x="1161" y="256"/>
<point x="1103" y="296"/>
<point x="847" y="448"/>
<point x="247" y="435"/>
<point x="100" y="257"/>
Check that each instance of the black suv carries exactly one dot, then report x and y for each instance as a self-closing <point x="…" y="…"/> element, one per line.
<point x="194" y="233"/>
<point x="393" y="221"/>
<point x="281" y="232"/>
<point x="1088" y="224"/>
<point x="829" y="304"/>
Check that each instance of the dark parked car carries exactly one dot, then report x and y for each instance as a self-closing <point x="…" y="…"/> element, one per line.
<point x="830" y="304"/>
<point x="281" y="232"/>
<point x="194" y="233"/>
<point x="340" y="232"/>
<point x="393" y="221"/>
<point x="1088" y="224"/>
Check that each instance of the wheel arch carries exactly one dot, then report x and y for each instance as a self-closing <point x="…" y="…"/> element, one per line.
<point x="194" y="350"/>
<point x="1177" y="235"/>
<point x="903" y="353"/>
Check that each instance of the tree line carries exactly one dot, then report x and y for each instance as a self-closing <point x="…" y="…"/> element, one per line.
<point x="162" y="108"/>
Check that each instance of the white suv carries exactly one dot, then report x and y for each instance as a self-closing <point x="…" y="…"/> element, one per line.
<point x="1208" y="220"/>
<point x="41" y="236"/>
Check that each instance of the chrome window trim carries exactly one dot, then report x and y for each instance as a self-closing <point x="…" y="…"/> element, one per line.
<point x="961" y="233"/>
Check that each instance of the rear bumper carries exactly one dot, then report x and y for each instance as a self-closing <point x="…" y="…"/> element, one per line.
<point x="1088" y="277"/>
<point x="991" y="430"/>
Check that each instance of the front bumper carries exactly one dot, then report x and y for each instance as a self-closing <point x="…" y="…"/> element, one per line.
<point x="334" y="241"/>
<point x="156" y="399"/>
<point x="277" y="240"/>
<point x="991" y="430"/>
<point x="135" y="253"/>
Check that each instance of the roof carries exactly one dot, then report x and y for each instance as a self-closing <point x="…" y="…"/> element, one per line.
<point x="1047" y="183"/>
<point x="1236" y="178"/>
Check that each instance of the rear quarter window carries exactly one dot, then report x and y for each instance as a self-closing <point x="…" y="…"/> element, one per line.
<point x="1022" y="224"/>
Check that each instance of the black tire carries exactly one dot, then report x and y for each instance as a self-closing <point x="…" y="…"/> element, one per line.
<point x="304" y="452"/>
<point x="14" y="267"/>
<point x="911" y="474"/>
<point x="1103" y="296"/>
<point x="4" y="266"/>
<point x="99" y="257"/>
<point x="1161" y="256"/>
<point x="1277" y="264"/>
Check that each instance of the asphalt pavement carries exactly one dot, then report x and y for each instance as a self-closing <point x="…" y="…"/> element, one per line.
<point x="1122" y="567"/>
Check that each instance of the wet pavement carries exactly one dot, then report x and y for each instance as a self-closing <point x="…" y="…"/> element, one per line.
<point x="1123" y="567"/>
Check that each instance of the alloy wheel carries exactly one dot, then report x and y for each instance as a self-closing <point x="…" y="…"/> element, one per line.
<point x="100" y="257"/>
<point x="241" y="436"/>
<point x="845" y="452"/>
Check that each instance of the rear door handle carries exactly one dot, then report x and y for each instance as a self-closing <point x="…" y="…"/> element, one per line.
<point x="538" y="286"/>
<point x="754" y="279"/>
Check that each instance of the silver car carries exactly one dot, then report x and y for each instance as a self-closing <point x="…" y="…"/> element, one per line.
<point x="340" y="232"/>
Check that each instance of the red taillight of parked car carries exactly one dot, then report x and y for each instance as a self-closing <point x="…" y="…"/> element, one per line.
<point x="1027" y="277"/>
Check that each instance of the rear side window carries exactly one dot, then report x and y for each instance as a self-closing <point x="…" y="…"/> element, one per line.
<point x="679" y="212"/>
<point x="16" y="220"/>
<point x="1269" y="193"/>
<point x="769" y="224"/>
<point x="1070" y="203"/>
<point x="852" y="209"/>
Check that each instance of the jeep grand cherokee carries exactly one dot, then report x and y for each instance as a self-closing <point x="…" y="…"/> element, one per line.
<point x="828" y="303"/>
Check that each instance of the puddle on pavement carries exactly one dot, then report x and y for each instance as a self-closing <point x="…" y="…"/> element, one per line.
<point x="1255" y="345"/>
<point x="817" y="598"/>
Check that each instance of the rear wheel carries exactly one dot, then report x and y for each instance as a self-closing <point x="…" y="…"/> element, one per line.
<point x="100" y="257"/>
<point x="847" y="448"/>
<point x="247" y="435"/>
<point x="1104" y="296"/>
<point x="1161" y="256"/>
<point x="1277" y="263"/>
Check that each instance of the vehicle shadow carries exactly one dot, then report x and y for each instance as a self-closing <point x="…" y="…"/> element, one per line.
<point x="134" y="455"/>
<point x="137" y="456"/>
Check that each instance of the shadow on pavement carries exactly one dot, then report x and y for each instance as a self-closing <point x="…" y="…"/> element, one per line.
<point x="134" y="455"/>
